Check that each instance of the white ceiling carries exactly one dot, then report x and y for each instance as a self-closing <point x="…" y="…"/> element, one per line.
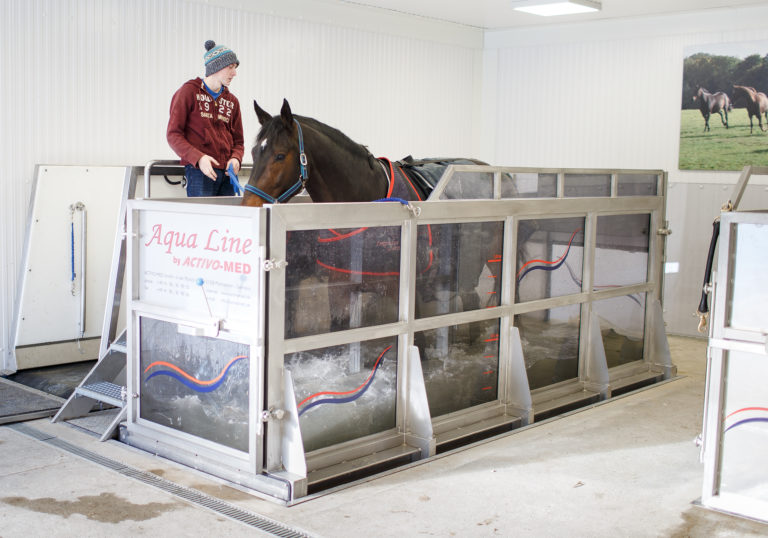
<point x="499" y="14"/>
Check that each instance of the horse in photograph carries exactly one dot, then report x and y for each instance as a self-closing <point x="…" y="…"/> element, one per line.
<point x="293" y="152"/>
<point x="713" y="103"/>
<point x="756" y="103"/>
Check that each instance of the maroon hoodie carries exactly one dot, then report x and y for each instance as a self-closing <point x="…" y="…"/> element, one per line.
<point x="199" y="125"/>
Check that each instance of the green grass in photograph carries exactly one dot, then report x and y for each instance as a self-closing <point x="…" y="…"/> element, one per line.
<point x="721" y="148"/>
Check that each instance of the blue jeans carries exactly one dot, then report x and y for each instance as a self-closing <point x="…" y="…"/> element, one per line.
<point x="198" y="184"/>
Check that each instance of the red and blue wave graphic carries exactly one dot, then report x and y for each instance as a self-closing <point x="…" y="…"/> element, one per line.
<point x="347" y="396"/>
<point x="746" y="415"/>
<point x="163" y="368"/>
<point x="546" y="265"/>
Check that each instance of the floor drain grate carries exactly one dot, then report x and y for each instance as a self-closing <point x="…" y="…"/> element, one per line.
<point x="190" y="495"/>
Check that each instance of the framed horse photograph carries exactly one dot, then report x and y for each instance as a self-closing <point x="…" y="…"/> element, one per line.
<point x="724" y="107"/>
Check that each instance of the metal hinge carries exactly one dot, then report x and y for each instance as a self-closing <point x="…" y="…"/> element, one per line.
<point x="664" y="230"/>
<point x="272" y="413"/>
<point x="274" y="264"/>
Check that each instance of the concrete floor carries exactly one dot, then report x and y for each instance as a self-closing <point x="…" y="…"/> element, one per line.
<point x="628" y="467"/>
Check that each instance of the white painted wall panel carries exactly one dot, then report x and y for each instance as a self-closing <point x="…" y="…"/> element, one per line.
<point x="603" y="94"/>
<point x="89" y="82"/>
<point x="607" y="95"/>
<point x="594" y="104"/>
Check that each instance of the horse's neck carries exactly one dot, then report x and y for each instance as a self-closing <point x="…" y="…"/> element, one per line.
<point x="341" y="174"/>
<point x="748" y="92"/>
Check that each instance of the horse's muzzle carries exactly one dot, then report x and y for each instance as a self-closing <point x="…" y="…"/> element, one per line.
<point x="251" y="200"/>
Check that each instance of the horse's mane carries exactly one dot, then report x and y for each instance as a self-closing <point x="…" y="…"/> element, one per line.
<point x="747" y="89"/>
<point x="276" y="126"/>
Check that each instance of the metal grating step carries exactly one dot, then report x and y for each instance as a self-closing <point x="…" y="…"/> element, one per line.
<point x="120" y="343"/>
<point x="104" y="392"/>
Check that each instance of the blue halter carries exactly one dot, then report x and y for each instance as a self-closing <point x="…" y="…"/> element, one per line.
<point x="303" y="176"/>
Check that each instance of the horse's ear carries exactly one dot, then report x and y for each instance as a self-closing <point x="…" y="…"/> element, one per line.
<point x="286" y="114"/>
<point x="262" y="114"/>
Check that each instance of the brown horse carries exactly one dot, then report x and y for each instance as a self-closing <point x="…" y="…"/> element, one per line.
<point x="294" y="152"/>
<point x="711" y="103"/>
<point x="757" y="104"/>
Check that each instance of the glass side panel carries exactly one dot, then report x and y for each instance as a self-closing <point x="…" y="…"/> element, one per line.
<point x="194" y="384"/>
<point x="458" y="267"/>
<point x="745" y="431"/>
<point x="345" y="392"/>
<point x="460" y="365"/>
<point x="749" y="293"/>
<point x="550" y="257"/>
<point x="637" y="184"/>
<point x="469" y="186"/>
<point x="550" y="341"/>
<point x="341" y="279"/>
<point x="584" y="185"/>
<point x="622" y="325"/>
<point x="528" y="185"/>
<point x="621" y="255"/>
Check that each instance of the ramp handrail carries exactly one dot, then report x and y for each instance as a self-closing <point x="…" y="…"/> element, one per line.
<point x="244" y="167"/>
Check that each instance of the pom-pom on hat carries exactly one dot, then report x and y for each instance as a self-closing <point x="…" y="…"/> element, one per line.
<point x="217" y="58"/>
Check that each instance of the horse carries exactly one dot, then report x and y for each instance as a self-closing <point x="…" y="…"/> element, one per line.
<point x="352" y="275"/>
<point x="294" y="152"/>
<point x="757" y="104"/>
<point x="711" y="103"/>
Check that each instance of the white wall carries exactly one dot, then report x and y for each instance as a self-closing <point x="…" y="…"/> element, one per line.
<point x="607" y="95"/>
<point x="89" y="82"/>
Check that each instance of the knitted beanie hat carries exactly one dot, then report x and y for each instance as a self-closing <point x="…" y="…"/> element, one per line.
<point x="217" y="58"/>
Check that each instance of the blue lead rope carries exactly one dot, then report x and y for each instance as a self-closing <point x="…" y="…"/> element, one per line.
<point x="234" y="181"/>
<point x="404" y="202"/>
<point x="413" y="209"/>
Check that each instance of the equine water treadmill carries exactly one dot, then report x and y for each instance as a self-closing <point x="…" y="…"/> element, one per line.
<point x="734" y="437"/>
<point x="293" y="347"/>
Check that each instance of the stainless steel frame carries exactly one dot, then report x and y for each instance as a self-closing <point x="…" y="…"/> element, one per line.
<point x="276" y="464"/>
<point x="737" y="359"/>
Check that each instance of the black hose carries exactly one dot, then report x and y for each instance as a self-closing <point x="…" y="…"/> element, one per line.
<point x="704" y="304"/>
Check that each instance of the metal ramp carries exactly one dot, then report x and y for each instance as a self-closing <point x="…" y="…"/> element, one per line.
<point x="19" y="402"/>
<point x="98" y="404"/>
<point x="104" y="384"/>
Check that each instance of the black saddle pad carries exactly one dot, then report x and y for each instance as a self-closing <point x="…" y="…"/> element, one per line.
<point x="425" y="173"/>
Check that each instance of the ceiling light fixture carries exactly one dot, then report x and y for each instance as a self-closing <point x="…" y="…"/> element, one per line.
<point x="549" y="8"/>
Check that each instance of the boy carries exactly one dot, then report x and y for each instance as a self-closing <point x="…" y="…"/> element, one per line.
<point x="205" y="128"/>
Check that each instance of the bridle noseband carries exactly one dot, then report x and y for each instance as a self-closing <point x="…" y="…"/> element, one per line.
<point x="296" y="187"/>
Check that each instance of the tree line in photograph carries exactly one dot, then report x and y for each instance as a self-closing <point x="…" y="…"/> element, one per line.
<point x="718" y="73"/>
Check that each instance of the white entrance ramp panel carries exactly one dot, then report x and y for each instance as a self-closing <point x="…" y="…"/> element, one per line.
<point x="73" y="220"/>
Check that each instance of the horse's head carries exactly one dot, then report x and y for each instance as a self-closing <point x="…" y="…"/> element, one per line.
<point x="279" y="163"/>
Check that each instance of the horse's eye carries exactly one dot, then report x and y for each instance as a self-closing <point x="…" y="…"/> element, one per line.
<point x="280" y="157"/>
